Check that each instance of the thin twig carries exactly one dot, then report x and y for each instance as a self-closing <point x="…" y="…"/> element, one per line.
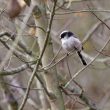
<point x="62" y="58"/>
<point x="52" y="59"/>
<point x="83" y="96"/>
<point x="98" y="18"/>
<point x="92" y="30"/>
<point x="20" y="86"/>
<point x="80" y="11"/>
<point x="18" y="54"/>
<point x="34" y="26"/>
<point x="71" y="75"/>
<point x="39" y="60"/>
<point x="12" y="37"/>
<point x="68" y="68"/>
<point x="14" y="70"/>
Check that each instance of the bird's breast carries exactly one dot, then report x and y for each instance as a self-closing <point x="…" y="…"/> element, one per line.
<point x="71" y="43"/>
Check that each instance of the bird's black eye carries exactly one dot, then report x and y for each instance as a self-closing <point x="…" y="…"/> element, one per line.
<point x="63" y="35"/>
<point x="70" y="34"/>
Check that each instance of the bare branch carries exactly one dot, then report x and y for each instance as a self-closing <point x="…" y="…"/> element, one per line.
<point x="14" y="70"/>
<point x="12" y="37"/>
<point x="39" y="60"/>
<point x="80" y="11"/>
<point x="99" y="18"/>
<point x="83" y="96"/>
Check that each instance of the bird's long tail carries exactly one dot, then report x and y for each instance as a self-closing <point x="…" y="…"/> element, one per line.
<point x="81" y="57"/>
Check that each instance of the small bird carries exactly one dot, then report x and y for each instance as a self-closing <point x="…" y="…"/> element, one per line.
<point x="70" y="42"/>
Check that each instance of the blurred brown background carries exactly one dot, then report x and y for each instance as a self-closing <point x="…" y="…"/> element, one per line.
<point x="95" y="79"/>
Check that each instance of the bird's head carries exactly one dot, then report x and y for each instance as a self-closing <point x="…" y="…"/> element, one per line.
<point x="66" y="34"/>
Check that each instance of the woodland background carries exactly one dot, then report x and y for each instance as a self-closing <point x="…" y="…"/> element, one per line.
<point x="43" y="77"/>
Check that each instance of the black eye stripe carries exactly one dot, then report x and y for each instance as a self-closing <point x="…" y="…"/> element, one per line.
<point x="63" y="35"/>
<point x="70" y="34"/>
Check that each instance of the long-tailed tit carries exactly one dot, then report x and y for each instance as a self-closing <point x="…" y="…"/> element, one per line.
<point x="70" y="42"/>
